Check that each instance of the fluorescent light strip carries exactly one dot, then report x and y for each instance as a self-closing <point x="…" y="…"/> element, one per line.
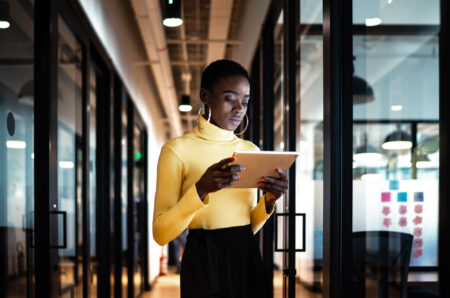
<point x="370" y="22"/>
<point x="66" y="164"/>
<point x="396" y="108"/>
<point x="16" y="144"/>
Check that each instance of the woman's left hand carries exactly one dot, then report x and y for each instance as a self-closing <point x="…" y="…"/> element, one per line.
<point x="274" y="187"/>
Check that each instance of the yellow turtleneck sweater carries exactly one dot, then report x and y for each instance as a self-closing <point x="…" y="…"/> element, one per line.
<point x="182" y="162"/>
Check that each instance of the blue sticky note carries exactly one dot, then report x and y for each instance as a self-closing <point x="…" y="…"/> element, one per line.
<point x="393" y="185"/>
<point x="402" y="197"/>
<point x="418" y="196"/>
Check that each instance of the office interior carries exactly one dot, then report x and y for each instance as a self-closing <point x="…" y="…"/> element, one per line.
<point x="91" y="90"/>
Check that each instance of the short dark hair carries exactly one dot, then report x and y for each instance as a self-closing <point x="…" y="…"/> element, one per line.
<point x="220" y="69"/>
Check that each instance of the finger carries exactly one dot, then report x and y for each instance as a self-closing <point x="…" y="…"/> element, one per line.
<point x="274" y="180"/>
<point x="273" y="187"/>
<point x="224" y="174"/>
<point x="224" y="162"/>
<point x="283" y="174"/>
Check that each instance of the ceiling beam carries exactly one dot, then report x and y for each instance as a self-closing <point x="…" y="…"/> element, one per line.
<point x="219" y="25"/>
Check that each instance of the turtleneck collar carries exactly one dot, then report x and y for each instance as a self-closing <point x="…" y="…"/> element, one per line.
<point x="211" y="132"/>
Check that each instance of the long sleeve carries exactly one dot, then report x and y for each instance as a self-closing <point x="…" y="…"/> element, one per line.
<point x="259" y="215"/>
<point x="173" y="212"/>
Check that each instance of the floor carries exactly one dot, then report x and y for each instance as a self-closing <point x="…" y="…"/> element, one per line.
<point x="168" y="286"/>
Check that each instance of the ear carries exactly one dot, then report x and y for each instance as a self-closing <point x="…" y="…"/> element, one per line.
<point x="204" y="93"/>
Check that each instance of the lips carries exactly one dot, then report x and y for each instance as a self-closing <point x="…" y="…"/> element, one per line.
<point x="236" y="121"/>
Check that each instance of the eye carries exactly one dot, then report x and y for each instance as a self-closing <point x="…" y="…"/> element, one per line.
<point x="245" y="104"/>
<point x="230" y="99"/>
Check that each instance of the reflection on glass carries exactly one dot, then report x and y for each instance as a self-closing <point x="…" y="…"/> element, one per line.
<point x="93" y="261"/>
<point x="69" y="167"/>
<point x="309" y="138"/>
<point x="124" y="196"/>
<point x="138" y="211"/>
<point x="279" y="145"/>
<point x="395" y="147"/>
<point x="17" y="153"/>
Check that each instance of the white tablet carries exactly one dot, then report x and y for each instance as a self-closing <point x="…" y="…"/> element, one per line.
<point x="261" y="163"/>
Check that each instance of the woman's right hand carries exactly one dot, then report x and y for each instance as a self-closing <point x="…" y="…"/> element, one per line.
<point x="218" y="176"/>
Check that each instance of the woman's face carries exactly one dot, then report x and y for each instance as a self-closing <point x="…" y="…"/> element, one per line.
<point x="228" y="101"/>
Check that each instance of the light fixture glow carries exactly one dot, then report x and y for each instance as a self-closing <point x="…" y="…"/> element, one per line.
<point x="396" y="108"/>
<point x="16" y="144"/>
<point x="371" y="177"/>
<point x="172" y="22"/>
<point x="66" y="164"/>
<point x="367" y="158"/>
<point x="185" y="108"/>
<point x="32" y="155"/>
<point x="397" y="145"/>
<point x="370" y="22"/>
<point x="426" y="164"/>
<point x="4" y="24"/>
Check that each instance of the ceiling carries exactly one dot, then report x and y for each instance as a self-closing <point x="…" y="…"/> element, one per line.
<point x="178" y="55"/>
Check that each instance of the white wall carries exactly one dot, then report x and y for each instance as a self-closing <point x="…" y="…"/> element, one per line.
<point x="116" y="28"/>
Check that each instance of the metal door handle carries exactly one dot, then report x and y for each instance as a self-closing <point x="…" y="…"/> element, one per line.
<point x="64" y="214"/>
<point x="303" y="215"/>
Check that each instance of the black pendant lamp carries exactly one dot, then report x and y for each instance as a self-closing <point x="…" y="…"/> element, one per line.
<point x="397" y="140"/>
<point x="172" y="13"/>
<point x="185" y="105"/>
<point x="362" y="91"/>
<point x="5" y="19"/>
<point x="367" y="154"/>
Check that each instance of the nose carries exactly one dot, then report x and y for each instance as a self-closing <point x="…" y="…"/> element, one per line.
<point x="238" y="107"/>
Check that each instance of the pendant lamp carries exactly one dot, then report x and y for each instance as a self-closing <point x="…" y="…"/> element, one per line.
<point x="367" y="154"/>
<point x="397" y="140"/>
<point x="185" y="105"/>
<point x="172" y="13"/>
<point x="5" y="19"/>
<point x="362" y="91"/>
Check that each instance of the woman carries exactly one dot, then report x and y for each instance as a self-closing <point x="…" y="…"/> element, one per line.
<point x="221" y="258"/>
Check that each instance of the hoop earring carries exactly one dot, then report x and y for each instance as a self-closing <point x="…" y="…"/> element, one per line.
<point x="201" y="112"/>
<point x="246" y="125"/>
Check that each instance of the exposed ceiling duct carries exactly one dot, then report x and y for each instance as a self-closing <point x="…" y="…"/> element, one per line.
<point x="148" y="15"/>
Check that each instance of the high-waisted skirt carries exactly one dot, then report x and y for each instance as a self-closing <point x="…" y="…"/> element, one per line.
<point x="223" y="263"/>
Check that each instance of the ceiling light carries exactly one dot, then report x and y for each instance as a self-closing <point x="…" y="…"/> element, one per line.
<point x="172" y="13"/>
<point x="397" y="140"/>
<point x="424" y="162"/>
<point x="370" y="22"/>
<point x="66" y="164"/>
<point x="371" y="177"/>
<point x="367" y="155"/>
<point x="185" y="105"/>
<point x="396" y="108"/>
<point x="16" y="144"/>
<point x="5" y="20"/>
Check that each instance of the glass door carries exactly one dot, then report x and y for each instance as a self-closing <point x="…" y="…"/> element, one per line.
<point x="279" y="137"/>
<point x="17" y="257"/>
<point x="68" y="213"/>
<point x="395" y="148"/>
<point x="309" y="143"/>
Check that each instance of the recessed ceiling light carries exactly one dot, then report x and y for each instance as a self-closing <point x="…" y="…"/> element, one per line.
<point x="396" y="108"/>
<point x="370" y="22"/>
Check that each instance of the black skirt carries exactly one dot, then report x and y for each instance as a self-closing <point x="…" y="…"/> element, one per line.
<point x="223" y="263"/>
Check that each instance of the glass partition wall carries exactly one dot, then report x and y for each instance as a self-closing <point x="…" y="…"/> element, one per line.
<point x="17" y="200"/>
<point x="395" y="147"/>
